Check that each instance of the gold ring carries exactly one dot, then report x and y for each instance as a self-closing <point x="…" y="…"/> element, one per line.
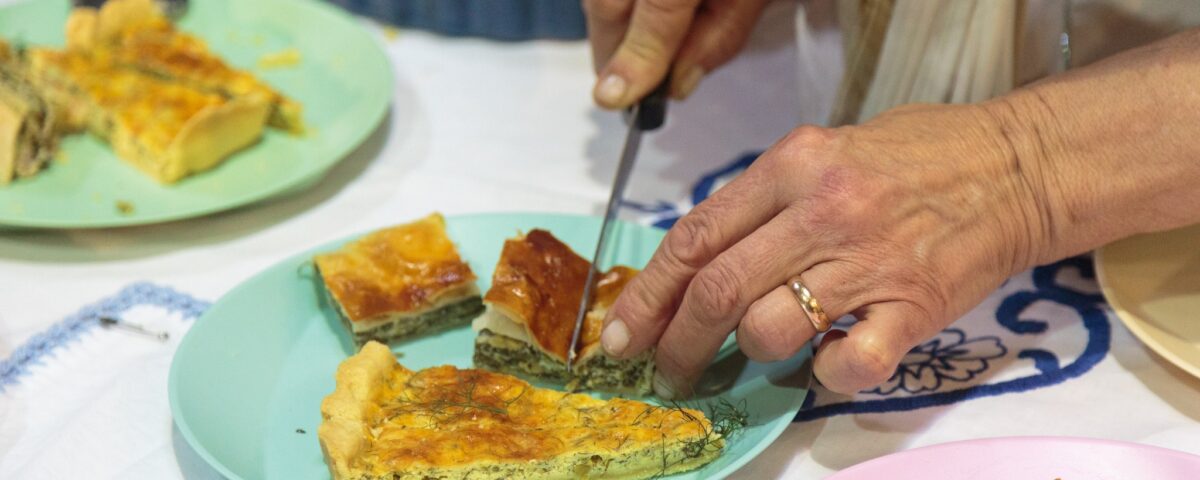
<point x="810" y="305"/>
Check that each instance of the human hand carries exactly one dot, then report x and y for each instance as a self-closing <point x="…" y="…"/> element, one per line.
<point x="905" y="222"/>
<point x="634" y="43"/>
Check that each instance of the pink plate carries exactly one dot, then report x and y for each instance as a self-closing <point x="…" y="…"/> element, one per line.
<point x="1030" y="458"/>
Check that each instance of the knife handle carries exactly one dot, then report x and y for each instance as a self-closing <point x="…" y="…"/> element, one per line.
<point x="652" y="110"/>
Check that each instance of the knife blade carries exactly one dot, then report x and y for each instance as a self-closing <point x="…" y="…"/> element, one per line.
<point x="646" y="115"/>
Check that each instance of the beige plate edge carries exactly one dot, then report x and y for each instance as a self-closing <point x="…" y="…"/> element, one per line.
<point x="1139" y="326"/>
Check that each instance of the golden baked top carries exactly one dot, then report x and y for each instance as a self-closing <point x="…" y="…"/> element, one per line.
<point x="539" y="282"/>
<point x="383" y="418"/>
<point x="152" y="109"/>
<point x="136" y="34"/>
<point x="404" y="269"/>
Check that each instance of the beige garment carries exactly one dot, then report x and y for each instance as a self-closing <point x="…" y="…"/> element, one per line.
<point x="960" y="51"/>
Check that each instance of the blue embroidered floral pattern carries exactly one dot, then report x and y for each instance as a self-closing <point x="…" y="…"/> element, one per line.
<point x="950" y="356"/>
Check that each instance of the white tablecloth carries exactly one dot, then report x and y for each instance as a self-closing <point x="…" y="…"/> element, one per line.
<point x="480" y="126"/>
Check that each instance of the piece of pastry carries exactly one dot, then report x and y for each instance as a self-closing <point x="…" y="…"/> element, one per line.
<point x="165" y="129"/>
<point x="28" y="132"/>
<point x="399" y="282"/>
<point x="532" y="305"/>
<point x="384" y="421"/>
<point x="136" y="34"/>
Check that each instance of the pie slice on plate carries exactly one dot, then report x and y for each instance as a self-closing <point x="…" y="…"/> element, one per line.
<point x="165" y="129"/>
<point x="384" y="421"/>
<point x="400" y="282"/>
<point x="136" y="34"/>
<point x="532" y="305"/>
<point x="28" y="129"/>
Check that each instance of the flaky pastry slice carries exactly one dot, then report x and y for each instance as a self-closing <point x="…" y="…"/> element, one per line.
<point x="400" y="282"/>
<point x="532" y="306"/>
<point x="384" y="421"/>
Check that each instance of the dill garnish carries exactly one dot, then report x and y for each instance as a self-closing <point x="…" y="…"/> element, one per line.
<point x="449" y="407"/>
<point x="726" y="420"/>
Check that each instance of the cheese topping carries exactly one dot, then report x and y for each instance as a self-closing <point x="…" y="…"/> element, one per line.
<point x="446" y="417"/>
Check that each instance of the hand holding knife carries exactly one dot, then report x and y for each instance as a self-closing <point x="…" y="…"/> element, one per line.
<point x="646" y="115"/>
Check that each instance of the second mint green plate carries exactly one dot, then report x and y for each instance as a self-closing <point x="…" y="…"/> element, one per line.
<point x="343" y="80"/>
<point x="247" y="381"/>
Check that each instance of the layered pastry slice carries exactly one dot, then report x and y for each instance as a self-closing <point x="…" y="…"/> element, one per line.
<point x="136" y="34"/>
<point x="531" y="309"/>
<point x="400" y="282"/>
<point x="165" y="129"/>
<point x="28" y="132"/>
<point x="384" y="421"/>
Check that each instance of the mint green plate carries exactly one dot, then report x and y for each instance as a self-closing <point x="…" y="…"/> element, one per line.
<point x="251" y="374"/>
<point x="343" y="79"/>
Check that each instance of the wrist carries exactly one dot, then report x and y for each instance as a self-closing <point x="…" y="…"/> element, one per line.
<point x="1024" y="133"/>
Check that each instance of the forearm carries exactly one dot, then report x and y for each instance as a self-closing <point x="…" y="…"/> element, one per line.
<point x="1109" y="150"/>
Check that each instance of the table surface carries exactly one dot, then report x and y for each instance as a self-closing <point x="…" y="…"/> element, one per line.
<point x="478" y="126"/>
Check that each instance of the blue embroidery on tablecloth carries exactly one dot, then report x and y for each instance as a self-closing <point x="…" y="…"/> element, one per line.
<point x="664" y="215"/>
<point x="950" y="356"/>
<point x="41" y="346"/>
<point x="1050" y="370"/>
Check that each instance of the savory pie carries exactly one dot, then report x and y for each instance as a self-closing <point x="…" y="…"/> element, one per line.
<point x="28" y="126"/>
<point x="399" y="282"/>
<point x="165" y="129"/>
<point x="135" y="34"/>
<point x="531" y="310"/>
<point x="384" y="421"/>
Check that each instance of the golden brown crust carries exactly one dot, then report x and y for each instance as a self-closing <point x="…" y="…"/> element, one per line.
<point x="346" y="413"/>
<point x="406" y="268"/>
<point x="539" y="282"/>
<point x="607" y="288"/>
<point x="167" y="130"/>
<point x="383" y="419"/>
<point x="134" y="33"/>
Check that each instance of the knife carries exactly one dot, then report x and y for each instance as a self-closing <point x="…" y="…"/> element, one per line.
<point x="646" y="115"/>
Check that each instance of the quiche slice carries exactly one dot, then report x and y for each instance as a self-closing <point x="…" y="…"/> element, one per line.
<point x="165" y="129"/>
<point x="136" y="34"/>
<point x="384" y="421"/>
<point x="28" y="131"/>
<point x="399" y="282"/>
<point x="531" y="309"/>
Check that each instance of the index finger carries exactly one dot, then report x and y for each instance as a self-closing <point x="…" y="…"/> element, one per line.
<point x="607" y="21"/>
<point x="641" y="312"/>
<point x="656" y="31"/>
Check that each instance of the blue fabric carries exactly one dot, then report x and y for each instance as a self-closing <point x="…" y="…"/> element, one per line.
<point x="43" y="345"/>
<point x="509" y="20"/>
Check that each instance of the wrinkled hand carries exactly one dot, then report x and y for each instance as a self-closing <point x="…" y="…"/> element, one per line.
<point x="905" y="222"/>
<point x="635" y="41"/>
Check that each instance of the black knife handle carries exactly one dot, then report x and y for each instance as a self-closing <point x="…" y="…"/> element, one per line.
<point x="652" y="110"/>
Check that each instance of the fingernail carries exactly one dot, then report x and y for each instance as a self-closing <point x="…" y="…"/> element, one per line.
<point x="615" y="337"/>
<point x="611" y="89"/>
<point x="688" y="83"/>
<point x="662" y="387"/>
